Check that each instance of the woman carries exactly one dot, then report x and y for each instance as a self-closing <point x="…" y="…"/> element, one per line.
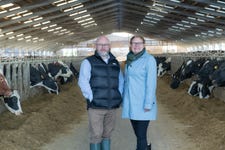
<point x="139" y="99"/>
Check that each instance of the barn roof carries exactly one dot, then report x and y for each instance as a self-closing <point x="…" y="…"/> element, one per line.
<point x="58" y="23"/>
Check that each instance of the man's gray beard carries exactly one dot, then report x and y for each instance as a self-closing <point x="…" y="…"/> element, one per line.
<point x="103" y="54"/>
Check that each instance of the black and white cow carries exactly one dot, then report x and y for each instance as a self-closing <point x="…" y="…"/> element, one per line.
<point x="39" y="76"/>
<point x="181" y="74"/>
<point x="60" y="71"/>
<point x="218" y="76"/>
<point x="10" y="98"/>
<point x="164" y="67"/>
<point x="12" y="103"/>
<point x="185" y="71"/>
<point x="204" y="83"/>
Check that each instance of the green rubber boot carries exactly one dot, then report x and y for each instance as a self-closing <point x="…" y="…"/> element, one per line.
<point x="105" y="145"/>
<point x="96" y="146"/>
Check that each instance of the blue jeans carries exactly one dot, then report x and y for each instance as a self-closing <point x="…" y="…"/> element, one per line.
<point x="140" y="129"/>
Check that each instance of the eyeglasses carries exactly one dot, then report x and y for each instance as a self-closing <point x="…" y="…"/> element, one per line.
<point x="137" y="43"/>
<point x="103" y="45"/>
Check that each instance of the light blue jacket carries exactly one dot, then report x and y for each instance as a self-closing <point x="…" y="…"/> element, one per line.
<point x="140" y="89"/>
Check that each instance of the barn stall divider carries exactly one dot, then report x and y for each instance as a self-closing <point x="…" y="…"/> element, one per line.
<point x="17" y="73"/>
<point x="178" y="58"/>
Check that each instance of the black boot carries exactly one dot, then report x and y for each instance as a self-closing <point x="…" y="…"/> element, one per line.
<point x="149" y="147"/>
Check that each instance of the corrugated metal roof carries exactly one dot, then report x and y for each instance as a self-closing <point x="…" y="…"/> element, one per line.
<point x="58" y="23"/>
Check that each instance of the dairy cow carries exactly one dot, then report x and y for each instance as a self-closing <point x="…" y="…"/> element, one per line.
<point x="39" y="76"/>
<point x="204" y="83"/>
<point x="185" y="71"/>
<point x="10" y="98"/>
<point x="164" y="67"/>
<point x="60" y="71"/>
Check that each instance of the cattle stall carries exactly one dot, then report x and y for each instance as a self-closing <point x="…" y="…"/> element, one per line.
<point x="178" y="58"/>
<point x="17" y="73"/>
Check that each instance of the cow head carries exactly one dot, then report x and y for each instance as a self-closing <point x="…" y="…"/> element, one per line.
<point x="60" y="71"/>
<point x="218" y="76"/>
<point x="39" y="76"/>
<point x="177" y="77"/>
<point x="208" y="68"/>
<point x="197" y="65"/>
<point x="12" y="103"/>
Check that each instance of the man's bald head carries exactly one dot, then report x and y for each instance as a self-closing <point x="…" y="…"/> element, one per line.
<point x="102" y="39"/>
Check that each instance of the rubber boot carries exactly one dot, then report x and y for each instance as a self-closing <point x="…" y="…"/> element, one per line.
<point x="96" y="146"/>
<point x="105" y="145"/>
<point x="149" y="147"/>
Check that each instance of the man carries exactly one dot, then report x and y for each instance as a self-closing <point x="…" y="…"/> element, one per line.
<point x="101" y="82"/>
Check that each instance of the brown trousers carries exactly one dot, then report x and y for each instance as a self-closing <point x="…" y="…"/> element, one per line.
<point x="101" y="124"/>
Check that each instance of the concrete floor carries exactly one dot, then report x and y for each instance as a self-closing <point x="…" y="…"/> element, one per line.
<point x="164" y="134"/>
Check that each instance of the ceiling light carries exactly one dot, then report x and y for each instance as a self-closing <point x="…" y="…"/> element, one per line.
<point x="51" y="30"/>
<point x="11" y="37"/>
<point x="29" y="21"/>
<point x="66" y="10"/>
<point x="90" y="25"/>
<point x="4" y="11"/>
<point x="7" y="5"/>
<point x="58" y="1"/>
<point x="221" y="11"/>
<point x="177" y="1"/>
<point x="27" y="14"/>
<point x="22" y="12"/>
<point x="201" y="20"/>
<point x="61" y="4"/>
<point x="10" y="15"/>
<point x="20" y="39"/>
<point x="39" y="18"/>
<point x="14" y="8"/>
<point x="170" y="7"/>
<point x="58" y="28"/>
<point x="44" y="28"/>
<point x="72" y="1"/>
<point x="209" y="8"/>
<point x="9" y="33"/>
<point x="199" y="14"/>
<point x="157" y="4"/>
<point x="36" y="25"/>
<point x="209" y="16"/>
<point x="192" y="18"/>
<point x="53" y="25"/>
<point x="19" y="35"/>
<point x="187" y="26"/>
<point x="214" y="6"/>
<point x="46" y="22"/>
<point x="27" y="37"/>
<point x="16" y="17"/>
<point x="219" y="1"/>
